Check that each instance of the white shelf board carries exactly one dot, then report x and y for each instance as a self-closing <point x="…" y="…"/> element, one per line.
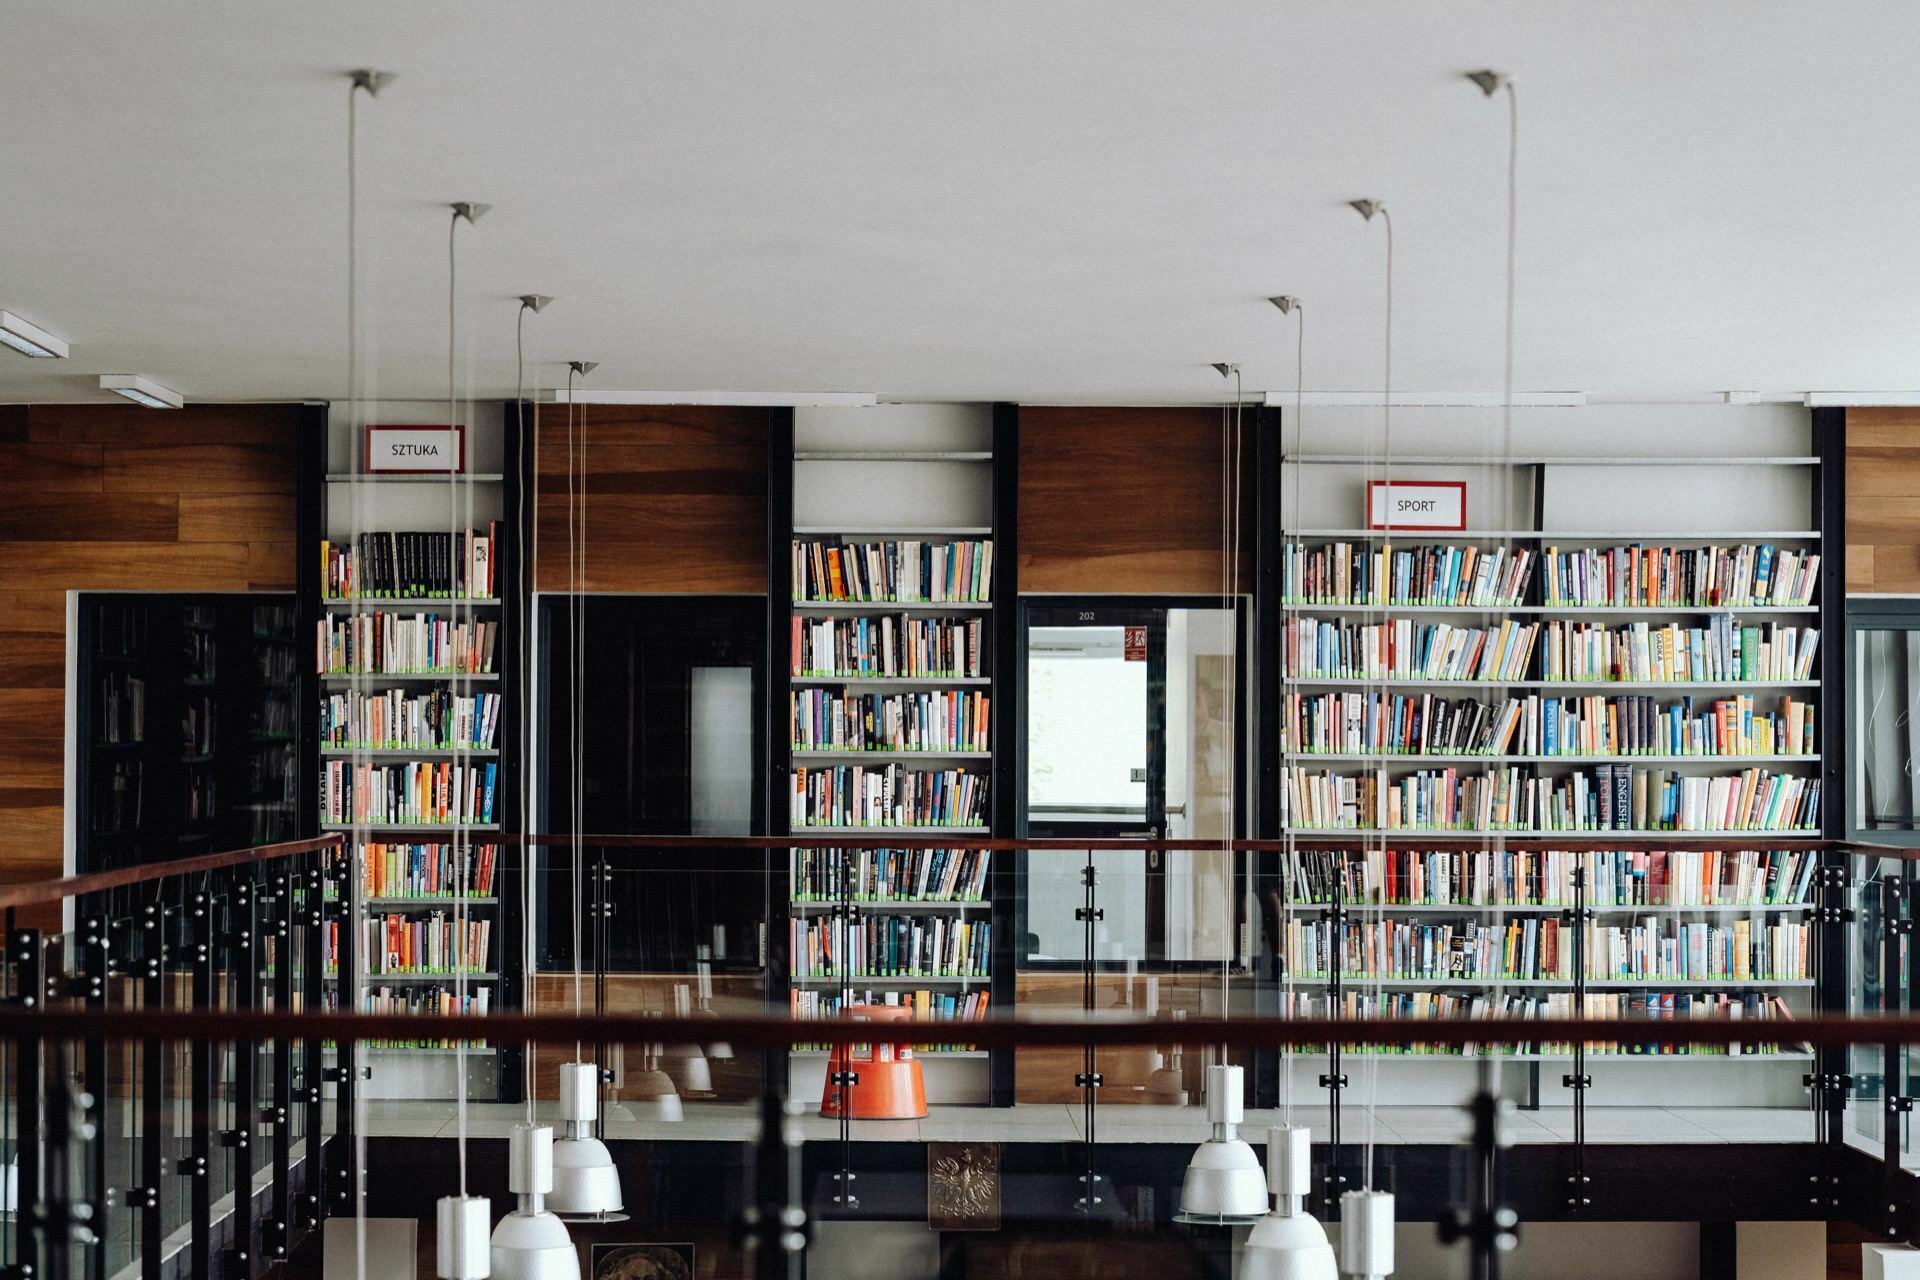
<point x="1547" y="535"/>
<point x="1584" y="834"/>
<point x="1356" y="909"/>
<point x="334" y="677"/>
<point x="896" y="682"/>
<point x="389" y="604"/>
<point x="440" y="478"/>
<point x="1403" y="758"/>
<point x="1577" y="686"/>
<point x="406" y="753"/>
<point x="893" y="455"/>
<point x="868" y="980"/>
<point x="1537" y="459"/>
<point x="1354" y="982"/>
<point x="890" y="606"/>
<point x="885" y="831"/>
<point x="892" y="757"/>
<point x="814" y="531"/>
<point x="1550" y="610"/>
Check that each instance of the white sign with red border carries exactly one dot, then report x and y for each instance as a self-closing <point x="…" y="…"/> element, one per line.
<point x="416" y="450"/>
<point x="1417" y="504"/>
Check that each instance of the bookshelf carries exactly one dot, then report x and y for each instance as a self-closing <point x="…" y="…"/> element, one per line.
<point x="190" y="709"/>
<point x="889" y="698"/>
<point x="1553" y="672"/>
<point x="412" y="608"/>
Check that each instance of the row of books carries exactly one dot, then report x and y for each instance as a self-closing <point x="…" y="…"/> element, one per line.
<point x="893" y="570"/>
<point x="1487" y="877"/>
<point x="1541" y="948"/>
<point x="435" y="943"/>
<point x="1402" y="649"/>
<point x="1641" y="651"/>
<point x="398" y="719"/>
<point x="889" y="946"/>
<point x="394" y="644"/>
<point x="1369" y="722"/>
<point x="426" y="870"/>
<point x="398" y="564"/>
<point x="1713" y="577"/>
<point x="1349" y="573"/>
<point x="120" y="709"/>
<point x="408" y="794"/>
<point x="893" y="646"/>
<point x="1615" y="1006"/>
<point x="422" y="999"/>
<point x="1599" y="798"/>
<point x="890" y="875"/>
<point x="927" y="1006"/>
<point x="942" y="720"/>
<point x="894" y="795"/>
<point x="199" y="726"/>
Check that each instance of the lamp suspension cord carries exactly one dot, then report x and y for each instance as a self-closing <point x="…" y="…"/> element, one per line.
<point x="349" y="981"/>
<point x="574" y="737"/>
<point x="1380" y="684"/>
<point x="1506" y="517"/>
<point x="526" y="484"/>
<point x="1292" y="615"/>
<point x="1229" y="599"/>
<point x="459" y="858"/>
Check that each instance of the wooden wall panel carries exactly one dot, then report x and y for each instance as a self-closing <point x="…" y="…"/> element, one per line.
<point x="1126" y="500"/>
<point x="676" y="498"/>
<point x="1883" y="500"/>
<point x="94" y="497"/>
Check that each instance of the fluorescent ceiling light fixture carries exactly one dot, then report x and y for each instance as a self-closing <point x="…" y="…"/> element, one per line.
<point x="1432" y="399"/>
<point x="30" y="339"/>
<point x="1863" y="399"/>
<point x="141" y="390"/>
<point x="750" y="399"/>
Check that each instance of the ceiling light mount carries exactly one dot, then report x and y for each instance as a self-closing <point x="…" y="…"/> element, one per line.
<point x="1367" y="208"/>
<point x="1225" y="369"/>
<point x="471" y="210"/>
<point x="1287" y="303"/>
<point x="30" y="339"/>
<point x="535" y="302"/>
<point x="1490" y="82"/>
<point x="372" y="81"/>
<point x="583" y="367"/>
<point x="142" y="391"/>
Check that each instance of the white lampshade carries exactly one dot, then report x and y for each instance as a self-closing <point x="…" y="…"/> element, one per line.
<point x="530" y="1243"/>
<point x="1287" y="1244"/>
<point x="1224" y="1182"/>
<point x="687" y="1066"/>
<point x="585" y="1183"/>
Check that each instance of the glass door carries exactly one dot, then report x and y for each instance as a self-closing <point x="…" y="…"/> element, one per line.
<point x="1130" y="731"/>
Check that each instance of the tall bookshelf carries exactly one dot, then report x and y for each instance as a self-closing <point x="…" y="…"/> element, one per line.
<point x="1698" y="890"/>
<point x="918" y="481"/>
<point x="429" y="907"/>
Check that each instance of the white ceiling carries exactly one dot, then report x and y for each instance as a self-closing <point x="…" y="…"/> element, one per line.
<point x="1032" y="201"/>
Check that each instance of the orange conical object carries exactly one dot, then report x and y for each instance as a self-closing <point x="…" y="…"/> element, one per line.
<point x="887" y="1082"/>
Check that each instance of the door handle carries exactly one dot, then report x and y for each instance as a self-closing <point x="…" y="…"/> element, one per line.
<point x="1151" y="833"/>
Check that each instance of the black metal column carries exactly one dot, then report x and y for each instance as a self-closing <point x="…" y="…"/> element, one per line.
<point x="1007" y="781"/>
<point x="202" y="1056"/>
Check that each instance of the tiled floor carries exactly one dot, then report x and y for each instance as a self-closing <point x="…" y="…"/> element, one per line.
<point x="716" y="1122"/>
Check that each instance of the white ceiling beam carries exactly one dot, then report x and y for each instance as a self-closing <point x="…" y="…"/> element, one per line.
<point x="751" y="399"/>
<point x="1431" y="399"/>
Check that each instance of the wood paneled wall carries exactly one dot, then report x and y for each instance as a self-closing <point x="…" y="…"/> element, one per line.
<point x="1883" y="500"/>
<point x="1127" y="500"/>
<point x="676" y="498"/>
<point x="101" y="497"/>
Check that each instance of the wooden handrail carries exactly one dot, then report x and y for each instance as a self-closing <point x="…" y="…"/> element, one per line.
<point x="993" y="1033"/>
<point x="25" y="895"/>
<point x="1464" y="842"/>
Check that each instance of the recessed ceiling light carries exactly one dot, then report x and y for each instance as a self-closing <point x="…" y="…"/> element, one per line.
<point x="30" y="339"/>
<point x="141" y="390"/>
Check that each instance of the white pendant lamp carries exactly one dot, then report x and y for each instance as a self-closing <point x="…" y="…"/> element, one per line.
<point x="530" y="1243"/>
<point x="1287" y="1244"/>
<point x="719" y="1050"/>
<point x="686" y="1064"/>
<point x="586" y="1186"/>
<point x="1224" y="1184"/>
<point x="1366" y="1234"/>
<point x="1167" y="1083"/>
<point x="460" y="1238"/>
